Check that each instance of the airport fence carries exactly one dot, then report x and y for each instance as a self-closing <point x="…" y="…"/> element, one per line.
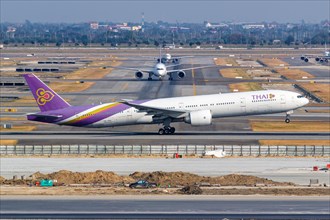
<point x="231" y="150"/>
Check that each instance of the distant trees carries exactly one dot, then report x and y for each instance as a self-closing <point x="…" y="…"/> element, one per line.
<point x="162" y="34"/>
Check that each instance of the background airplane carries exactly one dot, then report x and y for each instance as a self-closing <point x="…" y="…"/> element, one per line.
<point x="318" y="58"/>
<point x="160" y="70"/>
<point x="194" y="110"/>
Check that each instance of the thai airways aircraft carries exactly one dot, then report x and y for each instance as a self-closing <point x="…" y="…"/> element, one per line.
<point x="194" y="110"/>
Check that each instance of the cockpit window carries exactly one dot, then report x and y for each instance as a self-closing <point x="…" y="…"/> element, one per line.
<point x="300" y="96"/>
<point x="160" y="69"/>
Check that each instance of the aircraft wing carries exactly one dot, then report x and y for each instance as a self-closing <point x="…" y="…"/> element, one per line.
<point x="181" y="57"/>
<point x="191" y="68"/>
<point x="130" y="68"/>
<point x="151" y="110"/>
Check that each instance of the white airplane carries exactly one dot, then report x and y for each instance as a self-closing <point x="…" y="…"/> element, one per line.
<point x="168" y="58"/>
<point x="318" y="58"/>
<point x="160" y="71"/>
<point x="194" y="110"/>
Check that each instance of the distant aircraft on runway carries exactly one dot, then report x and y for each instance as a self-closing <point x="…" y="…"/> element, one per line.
<point x="194" y="110"/>
<point x="318" y="58"/>
<point x="160" y="68"/>
<point x="168" y="58"/>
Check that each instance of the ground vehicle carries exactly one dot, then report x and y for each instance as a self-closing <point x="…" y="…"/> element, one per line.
<point x="142" y="184"/>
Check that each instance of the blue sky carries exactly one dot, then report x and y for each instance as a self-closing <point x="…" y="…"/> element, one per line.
<point x="312" y="11"/>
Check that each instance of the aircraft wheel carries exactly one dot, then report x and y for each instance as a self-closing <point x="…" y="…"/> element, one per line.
<point x="172" y="130"/>
<point x="149" y="79"/>
<point x="167" y="131"/>
<point x="170" y="78"/>
<point x="161" y="131"/>
<point x="287" y="120"/>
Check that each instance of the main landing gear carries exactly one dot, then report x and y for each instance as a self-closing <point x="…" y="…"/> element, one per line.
<point x="166" y="130"/>
<point x="287" y="117"/>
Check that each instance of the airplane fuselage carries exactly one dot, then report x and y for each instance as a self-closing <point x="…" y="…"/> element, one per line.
<point x="219" y="105"/>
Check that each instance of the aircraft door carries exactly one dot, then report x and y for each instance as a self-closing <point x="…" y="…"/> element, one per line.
<point x="283" y="99"/>
<point x="181" y="105"/>
<point x="243" y="104"/>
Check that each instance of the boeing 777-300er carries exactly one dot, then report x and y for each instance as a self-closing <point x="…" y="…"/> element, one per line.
<point x="194" y="110"/>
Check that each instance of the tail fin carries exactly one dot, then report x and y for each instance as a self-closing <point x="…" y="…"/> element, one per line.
<point x="45" y="97"/>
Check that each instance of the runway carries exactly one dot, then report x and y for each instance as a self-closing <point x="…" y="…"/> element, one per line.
<point x="166" y="207"/>
<point x="181" y="137"/>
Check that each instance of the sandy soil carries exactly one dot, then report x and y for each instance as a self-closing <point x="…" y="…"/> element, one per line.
<point x="169" y="183"/>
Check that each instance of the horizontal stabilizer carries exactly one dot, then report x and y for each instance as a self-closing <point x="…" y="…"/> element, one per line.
<point x="45" y="116"/>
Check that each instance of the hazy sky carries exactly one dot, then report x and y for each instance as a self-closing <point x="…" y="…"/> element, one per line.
<point x="312" y="11"/>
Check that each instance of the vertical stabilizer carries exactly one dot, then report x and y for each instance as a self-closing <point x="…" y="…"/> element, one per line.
<point x="45" y="97"/>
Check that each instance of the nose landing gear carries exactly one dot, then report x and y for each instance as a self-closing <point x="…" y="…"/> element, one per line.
<point x="287" y="117"/>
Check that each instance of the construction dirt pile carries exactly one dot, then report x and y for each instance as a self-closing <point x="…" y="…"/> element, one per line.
<point x="2" y="180"/>
<point x="183" y="179"/>
<point x="163" y="179"/>
<point x="97" y="177"/>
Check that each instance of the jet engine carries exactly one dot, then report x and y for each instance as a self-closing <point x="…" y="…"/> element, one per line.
<point x="181" y="74"/>
<point x="198" y="118"/>
<point x="139" y="75"/>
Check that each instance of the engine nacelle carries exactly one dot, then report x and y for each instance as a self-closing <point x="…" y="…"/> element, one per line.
<point x="181" y="74"/>
<point x="139" y="75"/>
<point x="175" y="60"/>
<point x="199" y="118"/>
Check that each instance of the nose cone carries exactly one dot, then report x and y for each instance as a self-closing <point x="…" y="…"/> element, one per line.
<point x="305" y="101"/>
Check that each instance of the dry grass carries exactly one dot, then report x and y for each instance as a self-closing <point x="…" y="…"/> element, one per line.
<point x="244" y="87"/>
<point x="295" y="142"/>
<point x="319" y="111"/>
<point x="225" y="61"/>
<point x="12" y="119"/>
<point x="94" y="71"/>
<point x="7" y="63"/>
<point x="8" y="142"/>
<point x="273" y="62"/>
<point x="294" y="73"/>
<point x="233" y="73"/>
<point x="18" y="128"/>
<point x="303" y="126"/>
<point x="70" y="86"/>
<point x="320" y="90"/>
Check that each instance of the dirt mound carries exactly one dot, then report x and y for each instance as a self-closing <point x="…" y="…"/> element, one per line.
<point x="181" y="178"/>
<point x="97" y="177"/>
<point x="192" y="189"/>
<point x="2" y="180"/>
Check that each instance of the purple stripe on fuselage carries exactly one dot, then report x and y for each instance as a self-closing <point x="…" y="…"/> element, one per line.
<point x="71" y="111"/>
<point x="105" y="114"/>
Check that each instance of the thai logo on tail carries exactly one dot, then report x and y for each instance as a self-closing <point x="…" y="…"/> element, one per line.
<point x="44" y="96"/>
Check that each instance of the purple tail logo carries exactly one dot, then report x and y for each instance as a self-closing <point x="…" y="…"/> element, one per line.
<point x="44" y="96"/>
